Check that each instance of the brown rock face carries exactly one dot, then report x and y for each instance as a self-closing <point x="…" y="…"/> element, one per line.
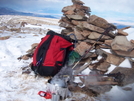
<point x="98" y="21"/>
<point x="82" y="47"/>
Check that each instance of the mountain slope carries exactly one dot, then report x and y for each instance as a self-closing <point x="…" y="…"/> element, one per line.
<point x="9" y="11"/>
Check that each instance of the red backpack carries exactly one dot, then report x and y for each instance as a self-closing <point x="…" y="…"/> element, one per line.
<point x="51" y="54"/>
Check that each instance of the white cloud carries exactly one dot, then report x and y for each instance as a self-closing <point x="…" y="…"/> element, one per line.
<point x="111" y="5"/>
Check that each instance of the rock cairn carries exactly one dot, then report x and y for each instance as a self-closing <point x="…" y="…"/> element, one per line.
<point x="88" y="28"/>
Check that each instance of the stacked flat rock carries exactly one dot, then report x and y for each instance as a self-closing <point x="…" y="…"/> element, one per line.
<point x="88" y="28"/>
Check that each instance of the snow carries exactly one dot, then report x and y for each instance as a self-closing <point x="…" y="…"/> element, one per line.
<point x="15" y="86"/>
<point x="118" y="94"/>
<point x="125" y="64"/>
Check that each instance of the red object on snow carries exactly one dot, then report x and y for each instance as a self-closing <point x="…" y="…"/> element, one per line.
<point x="46" y="95"/>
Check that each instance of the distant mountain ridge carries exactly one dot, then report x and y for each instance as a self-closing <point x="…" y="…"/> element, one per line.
<point x="9" y="11"/>
<point x="119" y="26"/>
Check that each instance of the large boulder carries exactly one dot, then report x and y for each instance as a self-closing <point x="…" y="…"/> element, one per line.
<point x="120" y="43"/>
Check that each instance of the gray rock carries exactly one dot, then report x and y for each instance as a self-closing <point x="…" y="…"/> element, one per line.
<point x="129" y="74"/>
<point x="120" y="43"/>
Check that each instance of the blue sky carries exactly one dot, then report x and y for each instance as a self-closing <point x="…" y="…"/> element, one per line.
<point x="116" y="9"/>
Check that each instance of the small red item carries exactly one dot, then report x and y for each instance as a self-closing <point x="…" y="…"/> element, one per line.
<point x="46" y="95"/>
